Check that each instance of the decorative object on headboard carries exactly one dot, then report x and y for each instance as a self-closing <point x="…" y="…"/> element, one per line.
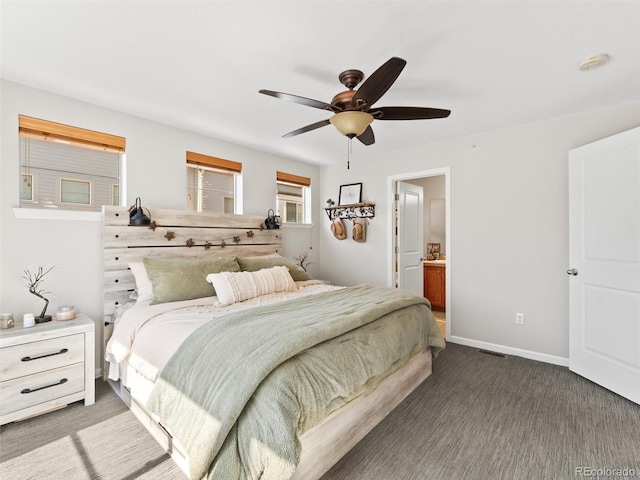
<point x="124" y="244"/>
<point x="34" y="283"/>
<point x="137" y="217"/>
<point x="190" y="242"/>
<point x="272" y="221"/>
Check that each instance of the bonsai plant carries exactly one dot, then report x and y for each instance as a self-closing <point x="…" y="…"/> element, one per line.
<point x="34" y="282"/>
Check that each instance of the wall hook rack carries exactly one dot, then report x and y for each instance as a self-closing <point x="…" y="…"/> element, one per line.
<point x="349" y="212"/>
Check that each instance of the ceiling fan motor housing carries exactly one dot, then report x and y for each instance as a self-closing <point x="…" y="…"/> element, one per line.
<point x="342" y="101"/>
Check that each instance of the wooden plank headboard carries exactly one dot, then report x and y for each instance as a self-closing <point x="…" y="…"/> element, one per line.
<point x="241" y="235"/>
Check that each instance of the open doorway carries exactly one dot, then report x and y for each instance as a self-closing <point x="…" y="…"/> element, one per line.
<point x="436" y="225"/>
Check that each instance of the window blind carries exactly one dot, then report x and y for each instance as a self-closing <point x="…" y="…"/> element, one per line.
<point x="294" y="179"/>
<point x="213" y="162"/>
<point x="67" y="133"/>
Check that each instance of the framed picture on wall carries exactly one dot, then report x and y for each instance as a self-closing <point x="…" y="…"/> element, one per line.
<point x="350" y="194"/>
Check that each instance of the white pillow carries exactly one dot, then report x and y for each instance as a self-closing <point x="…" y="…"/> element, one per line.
<point x="143" y="284"/>
<point x="232" y="287"/>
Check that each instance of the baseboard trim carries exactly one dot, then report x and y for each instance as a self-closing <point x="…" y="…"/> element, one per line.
<point x="517" y="352"/>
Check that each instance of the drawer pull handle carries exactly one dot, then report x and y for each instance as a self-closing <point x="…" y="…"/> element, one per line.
<point x="28" y="390"/>
<point x="28" y="359"/>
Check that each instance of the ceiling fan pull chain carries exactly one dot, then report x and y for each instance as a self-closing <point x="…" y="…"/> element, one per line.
<point x="348" y="152"/>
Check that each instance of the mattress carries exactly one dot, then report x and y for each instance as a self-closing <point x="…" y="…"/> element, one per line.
<point x="145" y="336"/>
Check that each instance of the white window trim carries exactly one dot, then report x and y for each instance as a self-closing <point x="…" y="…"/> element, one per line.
<point x="55" y="214"/>
<point x="238" y="194"/>
<point x="306" y="193"/>
<point x="306" y="226"/>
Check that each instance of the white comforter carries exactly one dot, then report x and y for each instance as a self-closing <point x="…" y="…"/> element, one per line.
<point x="146" y="336"/>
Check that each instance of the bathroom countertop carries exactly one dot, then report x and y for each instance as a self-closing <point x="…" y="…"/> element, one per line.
<point x="436" y="263"/>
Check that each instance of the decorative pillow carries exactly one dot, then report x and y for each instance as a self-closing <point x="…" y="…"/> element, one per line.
<point x="143" y="284"/>
<point x="232" y="287"/>
<point x="253" y="264"/>
<point x="179" y="279"/>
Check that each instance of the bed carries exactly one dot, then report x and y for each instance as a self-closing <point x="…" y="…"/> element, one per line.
<point x="265" y="373"/>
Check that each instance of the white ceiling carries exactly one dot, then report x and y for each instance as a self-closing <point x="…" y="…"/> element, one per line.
<point x="199" y="65"/>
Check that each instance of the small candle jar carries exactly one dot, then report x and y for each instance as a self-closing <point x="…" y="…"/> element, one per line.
<point x="66" y="312"/>
<point x="28" y="320"/>
<point x="6" y="320"/>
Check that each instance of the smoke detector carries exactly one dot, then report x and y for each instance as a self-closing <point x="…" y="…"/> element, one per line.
<point x="593" y="62"/>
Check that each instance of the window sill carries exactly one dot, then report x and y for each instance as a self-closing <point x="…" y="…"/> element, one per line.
<point x="44" y="214"/>
<point x="297" y="225"/>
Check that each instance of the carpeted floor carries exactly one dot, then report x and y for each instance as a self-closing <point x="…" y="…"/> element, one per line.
<point x="477" y="417"/>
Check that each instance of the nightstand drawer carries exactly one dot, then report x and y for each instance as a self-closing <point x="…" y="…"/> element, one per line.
<point x="28" y="358"/>
<point x="24" y="392"/>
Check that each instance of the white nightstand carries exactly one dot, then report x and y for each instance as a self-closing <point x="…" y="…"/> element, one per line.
<point x="45" y="367"/>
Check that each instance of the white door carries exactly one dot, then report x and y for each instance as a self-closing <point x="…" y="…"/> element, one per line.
<point x="604" y="251"/>
<point x="410" y="232"/>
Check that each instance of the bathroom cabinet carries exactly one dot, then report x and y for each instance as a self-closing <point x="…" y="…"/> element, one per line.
<point x="435" y="273"/>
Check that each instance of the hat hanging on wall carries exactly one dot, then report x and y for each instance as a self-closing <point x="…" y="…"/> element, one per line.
<point x="359" y="233"/>
<point x="338" y="230"/>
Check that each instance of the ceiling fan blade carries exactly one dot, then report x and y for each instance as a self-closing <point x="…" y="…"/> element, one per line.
<point x="309" y="102"/>
<point x="367" y="137"/>
<point x="308" y="128"/>
<point x="408" y="113"/>
<point x="378" y="82"/>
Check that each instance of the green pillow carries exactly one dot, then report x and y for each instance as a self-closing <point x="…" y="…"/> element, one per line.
<point x="176" y="279"/>
<point x="253" y="264"/>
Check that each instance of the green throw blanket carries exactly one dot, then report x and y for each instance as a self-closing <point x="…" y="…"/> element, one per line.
<point x="242" y="387"/>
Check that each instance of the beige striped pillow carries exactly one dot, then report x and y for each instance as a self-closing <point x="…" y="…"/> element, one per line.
<point x="232" y="287"/>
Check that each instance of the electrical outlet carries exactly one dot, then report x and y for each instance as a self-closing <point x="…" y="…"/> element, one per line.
<point x="519" y="318"/>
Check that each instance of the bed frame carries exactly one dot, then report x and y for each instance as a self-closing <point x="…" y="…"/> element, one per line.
<point x="190" y="234"/>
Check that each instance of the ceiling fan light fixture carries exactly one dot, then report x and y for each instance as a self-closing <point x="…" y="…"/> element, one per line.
<point x="351" y="123"/>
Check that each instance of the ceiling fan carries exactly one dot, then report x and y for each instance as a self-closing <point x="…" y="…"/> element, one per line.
<point x="353" y="109"/>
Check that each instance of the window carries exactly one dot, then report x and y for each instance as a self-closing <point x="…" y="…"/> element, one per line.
<point x="75" y="191"/>
<point x="213" y="184"/>
<point x="67" y="168"/>
<point x="293" y="198"/>
<point x="26" y="187"/>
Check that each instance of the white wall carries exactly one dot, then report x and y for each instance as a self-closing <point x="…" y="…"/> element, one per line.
<point x="155" y="171"/>
<point x="509" y="245"/>
<point x="509" y="234"/>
